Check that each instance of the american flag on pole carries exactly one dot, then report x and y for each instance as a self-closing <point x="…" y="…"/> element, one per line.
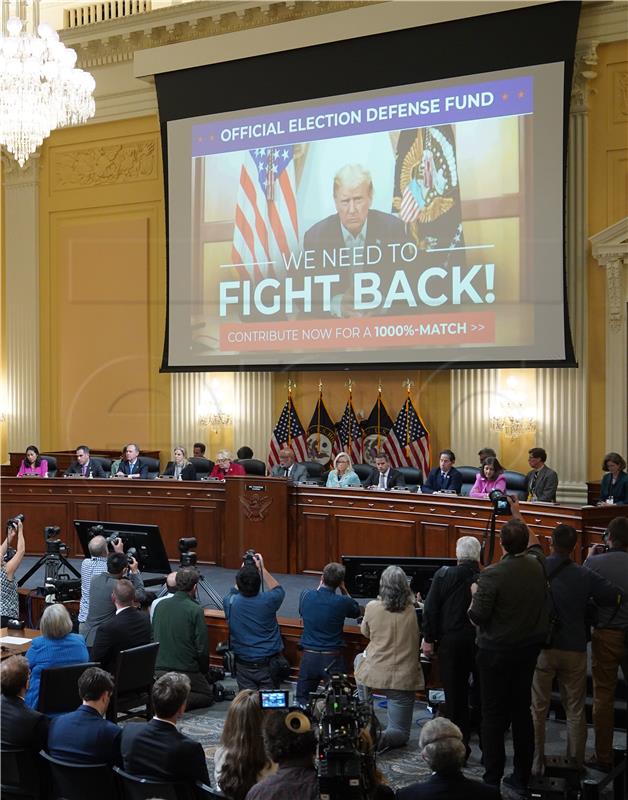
<point x="350" y="434"/>
<point x="408" y="443"/>
<point x="266" y="220"/>
<point x="288" y="433"/>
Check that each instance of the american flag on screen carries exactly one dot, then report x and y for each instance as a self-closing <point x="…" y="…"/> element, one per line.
<point x="408" y="442"/>
<point x="288" y="433"/>
<point x="266" y="220"/>
<point x="350" y="434"/>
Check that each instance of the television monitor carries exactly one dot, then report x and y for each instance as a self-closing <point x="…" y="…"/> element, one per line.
<point x="364" y="572"/>
<point x="146" y="539"/>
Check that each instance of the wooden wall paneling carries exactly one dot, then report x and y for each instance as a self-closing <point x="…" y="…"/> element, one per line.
<point x="314" y="541"/>
<point x="205" y="523"/>
<point x="435" y="537"/>
<point x="357" y="536"/>
<point x="171" y="520"/>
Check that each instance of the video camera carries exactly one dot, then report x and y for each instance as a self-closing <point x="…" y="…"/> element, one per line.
<point x="62" y="588"/>
<point x="54" y="545"/>
<point x="501" y="504"/>
<point x="188" y="557"/>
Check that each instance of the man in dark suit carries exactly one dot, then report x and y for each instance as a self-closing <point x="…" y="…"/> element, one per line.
<point x="132" y="465"/>
<point x="541" y="481"/>
<point x="445" y="477"/>
<point x="156" y="749"/>
<point x="84" y="736"/>
<point x="383" y="476"/>
<point x="288" y="467"/>
<point x="129" y="628"/>
<point x="101" y="607"/>
<point x="84" y="466"/>
<point x="354" y="227"/>
<point x="20" y="726"/>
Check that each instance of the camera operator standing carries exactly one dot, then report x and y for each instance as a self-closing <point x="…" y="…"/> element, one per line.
<point x="253" y="627"/>
<point x="609" y="642"/>
<point x="9" y="604"/>
<point x="96" y="564"/>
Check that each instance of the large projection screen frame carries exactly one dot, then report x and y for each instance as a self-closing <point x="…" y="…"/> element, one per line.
<point x="505" y="41"/>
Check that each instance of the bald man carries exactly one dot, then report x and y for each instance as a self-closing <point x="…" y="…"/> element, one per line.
<point x="171" y="586"/>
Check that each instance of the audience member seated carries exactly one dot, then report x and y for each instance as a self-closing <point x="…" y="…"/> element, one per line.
<point x="565" y="660"/>
<point x="541" y="481"/>
<point x="225" y="466"/>
<point x="390" y="663"/>
<point x="171" y="588"/>
<point x="253" y="627"/>
<point x="244" y="452"/>
<point x="293" y="752"/>
<point x="323" y="612"/>
<point x="342" y="474"/>
<point x="609" y="642"/>
<point x="132" y="465"/>
<point x="448" y="630"/>
<point x="383" y="476"/>
<point x="445" y="477"/>
<point x="84" y="736"/>
<point x="241" y="760"/>
<point x="614" y="486"/>
<point x="157" y="749"/>
<point x="20" y="726"/>
<point x="443" y="750"/>
<point x="84" y="466"/>
<point x="490" y="478"/>
<point x="130" y="627"/>
<point x="181" y="469"/>
<point x="9" y="601"/>
<point x="509" y="609"/>
<point x="33" y="465"/>
<point x="288" y="467"/>
<point x="96" y="564"/>
<point x="56" y="646"/>
<point x="484" y="453"/>
<point x="198" y="450"/>
<point x="179" y="627"/>
<point x="101" y="607"/>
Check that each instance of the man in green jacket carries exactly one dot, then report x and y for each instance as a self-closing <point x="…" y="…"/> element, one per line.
<point x="179" y="627"/>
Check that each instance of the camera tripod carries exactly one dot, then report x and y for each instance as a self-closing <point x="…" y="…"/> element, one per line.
<point x="202" y="587"/>
<point x="53" y="563"/>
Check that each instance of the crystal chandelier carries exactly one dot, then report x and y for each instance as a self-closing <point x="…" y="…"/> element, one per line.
<point x="40" y="88"/>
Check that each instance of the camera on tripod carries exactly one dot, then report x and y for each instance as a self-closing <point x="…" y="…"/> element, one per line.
<point x="188" y="557"/>
<point x="54" y="545"/>
<point x="501" y="504"/>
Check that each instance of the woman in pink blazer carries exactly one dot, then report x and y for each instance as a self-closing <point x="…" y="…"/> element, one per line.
<point x="491" y="477"/>
<point x="33" y="464"/>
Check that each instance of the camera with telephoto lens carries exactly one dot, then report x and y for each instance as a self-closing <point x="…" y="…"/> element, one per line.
<point x="501" y="504"/>
<point x="14" y="521"/>
<point x="347" y="735"/>
<point x="248" y="559"/>
<point x="131" y="554"/>
<point x="188" y="557"/>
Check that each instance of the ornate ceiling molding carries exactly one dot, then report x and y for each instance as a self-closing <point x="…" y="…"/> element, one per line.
<point x="115" y="41"/>
<point x="602" y="21"/>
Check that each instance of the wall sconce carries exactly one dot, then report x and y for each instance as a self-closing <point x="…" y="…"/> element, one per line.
<point x="510" y="415"/>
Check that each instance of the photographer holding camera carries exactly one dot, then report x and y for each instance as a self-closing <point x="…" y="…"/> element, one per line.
<point x="609" y="640"/>
<point x="253" y="627"/>
<point x="9" y="605"/>
<point x="96" y="564"/>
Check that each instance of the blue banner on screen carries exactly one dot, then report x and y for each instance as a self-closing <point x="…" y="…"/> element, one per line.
<point x="422" y="223"/>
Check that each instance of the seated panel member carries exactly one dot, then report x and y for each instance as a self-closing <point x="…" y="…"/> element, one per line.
<point x="85" y="466"/>
<point x="132" y="465"/>
<point x="614" y="486"/>
<point x="225" y="466"/>
<point x="198" y="450"/>
<point x="33" y="465"/>
<point x="490" y="478"/>
<point x="288" y="467"/>
<point x="343" y="474"/>
<point x="383" y="476"/>
<point x="541" y="481"/>
<point x="445" y="477"/>
<point x="181" y="469"/>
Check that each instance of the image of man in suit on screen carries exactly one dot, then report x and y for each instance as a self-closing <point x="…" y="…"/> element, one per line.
<point x="354" y="225"/>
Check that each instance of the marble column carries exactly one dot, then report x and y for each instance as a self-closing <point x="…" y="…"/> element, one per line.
<point x="21" y="212"/>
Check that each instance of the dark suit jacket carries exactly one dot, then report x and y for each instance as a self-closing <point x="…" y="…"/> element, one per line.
<point x="545" y="484"/>
<point x="92" y="466"/>
<point x="129" y="628"/>
<point x="20" y="726"/>
<point x="619" y="492"/>
<point x="395" y="478"/>
<point x="84" y="737"/>
<point x="101" y="607"/>
<point x="187" y="474"/>
<point x="456" y="787"/>
<point x="159" y="751"/>
<point x="298" y="472"/>
<point x="381" y="229"/>
<point x="139" y="468"/>
<point x="435" y="483"/>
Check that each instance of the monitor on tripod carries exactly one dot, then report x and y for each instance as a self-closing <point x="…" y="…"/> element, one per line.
<point x="146" y="539"/>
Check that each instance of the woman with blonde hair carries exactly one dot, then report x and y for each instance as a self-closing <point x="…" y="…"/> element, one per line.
<point x="342" y="474"/>
<point x="241" y="760"/>
<point x="390" y="663"/>
<point x="181" y="469"/>
<point x="56" y="646"/>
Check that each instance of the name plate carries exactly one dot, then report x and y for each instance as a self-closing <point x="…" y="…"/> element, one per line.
<point x="255" y="487"/>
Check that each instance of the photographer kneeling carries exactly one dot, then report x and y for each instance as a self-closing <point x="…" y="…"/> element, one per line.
<point x="253" y="627"/>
